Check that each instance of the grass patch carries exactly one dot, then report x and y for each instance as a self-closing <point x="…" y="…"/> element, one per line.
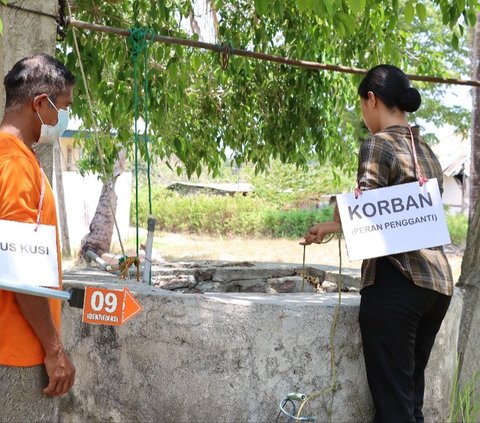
<point x="465" y="400"/>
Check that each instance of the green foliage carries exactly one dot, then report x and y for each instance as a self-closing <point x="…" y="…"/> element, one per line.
<point x="429" y="41"/>
<point x="458" y="227"/>
<point x="213" y="215"/>
<point x="3" y="2"/>
<point x="465" y="400"/>
<point x="284" y="183"/>
<point x="267" y="213"/>
<point x="249" y="216"/>
<point x="254" y="110"/>
<point x="293" y="223"/>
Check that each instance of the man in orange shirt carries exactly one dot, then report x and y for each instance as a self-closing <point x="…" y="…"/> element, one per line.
<point x="38" y="94"/>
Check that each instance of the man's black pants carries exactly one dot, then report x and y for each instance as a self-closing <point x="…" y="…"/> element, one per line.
<point x="398" y="322"/>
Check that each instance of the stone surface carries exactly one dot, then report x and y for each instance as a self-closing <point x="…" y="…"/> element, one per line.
<point x="24" y="34"/>
<point x="248" y="285"/>
<point x="328" y="286"/>
<point x="176" y="282"/>
<point x="21" y="396"/>
<point x="289" y="284"/>
<point x="443" y="361"/>
<point x="221" y="276"/>
<point x="256" y="272"/>
<point x="350" y="278"/>
<point x="222" y="357"/>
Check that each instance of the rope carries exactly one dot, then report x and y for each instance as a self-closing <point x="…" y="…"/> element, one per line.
<point x="139" y="45"/>
<point x="95" y="126"/>
<point x="225" y="55"/>
<point x="333" y="375"/>
<point x="421" y="179"/>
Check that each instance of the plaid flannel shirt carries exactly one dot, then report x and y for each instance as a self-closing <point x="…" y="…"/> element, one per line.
<point x="386" y="159"/>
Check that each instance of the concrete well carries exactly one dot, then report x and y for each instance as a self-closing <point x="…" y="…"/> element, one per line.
<point x="224" y="357"/>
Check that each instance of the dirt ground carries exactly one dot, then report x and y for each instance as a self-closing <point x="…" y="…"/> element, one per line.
<point x="172" y="247"/>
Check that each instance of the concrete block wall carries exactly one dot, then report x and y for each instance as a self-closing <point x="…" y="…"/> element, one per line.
<point x="223" y="357"/>
<point x="25" y="33"/>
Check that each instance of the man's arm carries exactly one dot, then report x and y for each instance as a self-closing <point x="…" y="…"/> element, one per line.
<point x="60" y="370"/>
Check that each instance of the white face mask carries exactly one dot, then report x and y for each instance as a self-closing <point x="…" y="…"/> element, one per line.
<point x="49" y="133"/>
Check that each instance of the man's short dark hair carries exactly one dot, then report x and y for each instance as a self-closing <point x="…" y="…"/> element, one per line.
<point x="35" y="75"/>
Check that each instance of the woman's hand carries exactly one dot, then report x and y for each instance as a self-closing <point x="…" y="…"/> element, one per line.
<point x="317" y="232"/>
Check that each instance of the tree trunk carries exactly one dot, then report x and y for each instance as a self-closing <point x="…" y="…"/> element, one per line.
<point x="469" y="340"/>
<point x="102" y="225"/>
<point x="62" y="212"/>
<point x="475" y="136"/>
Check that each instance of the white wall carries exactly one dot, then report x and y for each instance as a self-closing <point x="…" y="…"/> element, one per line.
<point x="452" y="195"/>
<point x="81" y="199"/>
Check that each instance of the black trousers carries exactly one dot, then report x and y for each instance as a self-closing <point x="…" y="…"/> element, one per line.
<point x="398" y="323"/>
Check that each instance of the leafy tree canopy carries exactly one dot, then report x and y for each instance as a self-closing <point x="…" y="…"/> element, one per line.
<point x="199" y="112"/>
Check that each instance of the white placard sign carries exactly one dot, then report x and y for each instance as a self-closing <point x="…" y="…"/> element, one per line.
<point x="393" y="220"/>
<point x="28" y="257"/>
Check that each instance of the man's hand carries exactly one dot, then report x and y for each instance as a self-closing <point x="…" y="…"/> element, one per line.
<point x="60" y="371"/>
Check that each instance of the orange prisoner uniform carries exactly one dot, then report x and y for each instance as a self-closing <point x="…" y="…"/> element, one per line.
<point x="20" y="187"/>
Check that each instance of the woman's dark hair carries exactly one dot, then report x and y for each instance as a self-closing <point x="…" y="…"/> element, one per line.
<point x="392" y="86"/>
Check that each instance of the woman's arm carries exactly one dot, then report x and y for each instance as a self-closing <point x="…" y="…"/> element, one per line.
<point x="317" y="232"/>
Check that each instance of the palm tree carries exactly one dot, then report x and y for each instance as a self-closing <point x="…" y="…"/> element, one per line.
<point x="102" y="225"/>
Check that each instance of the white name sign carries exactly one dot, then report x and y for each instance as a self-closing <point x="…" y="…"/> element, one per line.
<point x="28" y="257"/>
<point x="393" y="220"/>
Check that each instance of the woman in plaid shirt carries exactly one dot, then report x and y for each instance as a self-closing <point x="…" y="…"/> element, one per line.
<point x="404" y="297"/>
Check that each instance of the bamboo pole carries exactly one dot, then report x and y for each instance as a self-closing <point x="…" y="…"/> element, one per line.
<point x="223" y="48"/>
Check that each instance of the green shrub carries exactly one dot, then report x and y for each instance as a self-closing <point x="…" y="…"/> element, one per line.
<point x="458" y="227"/>
<point x="293" y="223"/>
<point x="248" y="216"/>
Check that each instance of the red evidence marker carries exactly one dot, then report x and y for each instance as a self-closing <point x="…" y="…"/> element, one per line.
<point x="109" y="306"/>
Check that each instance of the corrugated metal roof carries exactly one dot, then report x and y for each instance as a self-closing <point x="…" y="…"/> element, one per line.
<point x="454" y="155"/>
<point x="225" y="187"/>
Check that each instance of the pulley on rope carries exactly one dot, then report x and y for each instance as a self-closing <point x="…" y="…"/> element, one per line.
<point x="289" y="407"/>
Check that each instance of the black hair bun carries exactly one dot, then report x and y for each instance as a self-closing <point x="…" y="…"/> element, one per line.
<point x="411" y="100"/>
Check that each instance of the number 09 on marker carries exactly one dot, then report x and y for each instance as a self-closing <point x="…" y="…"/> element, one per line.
<point x="109" y="306"/>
